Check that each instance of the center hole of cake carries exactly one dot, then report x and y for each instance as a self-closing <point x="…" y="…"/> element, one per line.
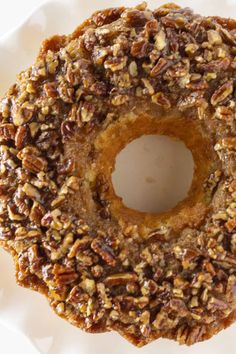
<point x="153" y="173"/>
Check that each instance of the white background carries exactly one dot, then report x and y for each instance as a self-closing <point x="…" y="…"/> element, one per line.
<point x="13" y="12"/>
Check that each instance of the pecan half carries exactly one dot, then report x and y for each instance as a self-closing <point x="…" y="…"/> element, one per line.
<point x="222" y="93"/>
<point x="21" y="136"/>
<point x="100" y="247"/>
<point x="33" y="163"/>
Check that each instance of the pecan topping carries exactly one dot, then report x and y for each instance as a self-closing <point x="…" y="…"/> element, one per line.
<point x="103" y="267"/>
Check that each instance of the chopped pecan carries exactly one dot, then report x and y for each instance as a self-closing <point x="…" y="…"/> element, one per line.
<point x="120" y="279"/>
<point x="151" y="27"/>
<point x="68" y="129"/>
<point x="36" y="213"/>
<point x="100" y="247"/>
<point x="22" y="205"/>
<point x="195" y="335"/>
<point x="60" y="309"/>
<point x="172" y="39"/>
<point x="97" y="271"/>
<point x="161" y="100"/>
<point x="88" y="285"/>
<point x="47" y="220"/>
<point x="140" y="49"/>
<point x="229" y="142"/>
<point x="7" y="132"/>
<point x="165" y="9"/>
<point x="31" y="191"/>
<point x="119" y="100"/>
<point x="175" y="21"/>
<point x="104" y="17"/>
<point x="99" y="88"/>
<point x="13" y="215"/>
<point x="64" y="275"/>
<point x="197" y="85"/>
<point x="22" y="114"/>
<point x="148" y="86"/>
<point x="224" y="113"/>
<point x="66" y="93"/>
<point x="189" y="256"/>
<point x="99" y="55"/>
<point x="133" y="69"/>
<point x="214" y="65"/>
<point x="160" y="40"/>
<point x="214" y="37"/>
<point x="227" y="36"/>
<point x="50" y="89"/>
<point x="73" y="183"/>
<point x="231" y="225"/>
<point x="87" y="111"/>
<point x="191" y="100"/>
<point x="191" y="48"/>
<point x="149" y="288"/>
<point x="161" y="66"/>
<point x="35" y="259"/>
<point x="115" y="64"/>
<point x="178" y="306"/>
<point x="136" y="18"/>
<point x="77" y="295"/>
<point x="66" y="167"/>
<point x="78" y="245"/>
<point x="23" y="233"/>
<point x="215" y="304"/>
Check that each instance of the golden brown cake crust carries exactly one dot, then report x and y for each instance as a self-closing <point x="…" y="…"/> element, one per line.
<point x="121" y="74"/>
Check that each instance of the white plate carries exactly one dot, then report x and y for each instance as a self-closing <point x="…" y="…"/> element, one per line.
<point x="28" y="312"/>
